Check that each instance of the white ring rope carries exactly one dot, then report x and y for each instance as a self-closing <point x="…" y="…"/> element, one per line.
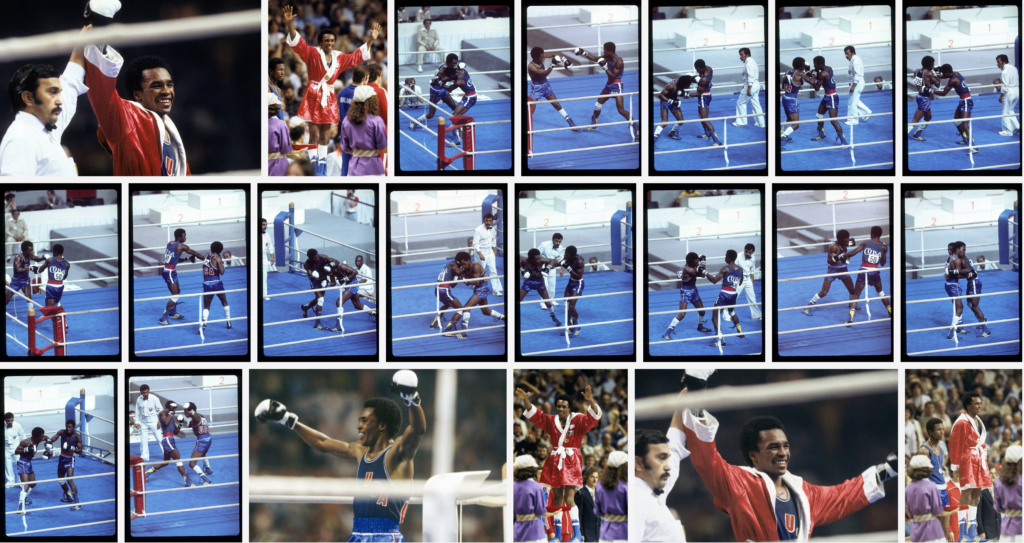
<point x="322" y="316"/>
<point x="210" y="221"/>
<point x="155" y="462"/>
<point x="541" y="301"/>
<point x="191" y="346"/>
<point x="187" y="324"/>
<point x="95" y="416"/>
<point x="136" y="300"/>
<point x="858" y="300"/>
<point x="342" y="335"/>
<point x="709" y="308"/>
<point x="968" y="347"/>
<point x="12" y="485"/>
<point x="324" y="289"/>
<point x="712" y="148"/>
<point x="831" y="224"/>
<point x="964" y="296"/>
<point x="305" y="231"/>
<point x="705" y="338"/>
<point x="833" y="326"/>
<point x="566" y="327"/>
<point x="585" y="149"/>
<point x="136" y="493"/>
<point x="187" y="388"/>
<point x="729" y="398"/>
<point x="59" y="506"/>
<point x="452" y="310"/>
<point x="579" y="348"/>
<point x="950" y="326"/>
<point x="62" y="527"/>
<point x="836" y="202"/>
<point x="850" y="146"/>
<point x="833" y="274"/>
<point x="448" y="282"/>
<point x="278" y="486"/>
<point x="144" y="515"/>
<point x="191" y="244"/>
<point x="823" y="119"/>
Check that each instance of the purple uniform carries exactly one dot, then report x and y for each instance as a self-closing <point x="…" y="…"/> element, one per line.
<point x="528" y="506"/>
<point x="1006" y="499"/>
<point x="924" y="505"/>
<point x="278" y="145"/>
<point x="613" y="507"/>
<point x="364" y="142"/>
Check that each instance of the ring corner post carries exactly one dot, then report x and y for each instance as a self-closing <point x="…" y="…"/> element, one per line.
<point x="440" y="143"/>
<point x="84" y="419"/>
<point x="31" y="330"/>
<point x="629" y="237"/>
<point x="616" y="237"/>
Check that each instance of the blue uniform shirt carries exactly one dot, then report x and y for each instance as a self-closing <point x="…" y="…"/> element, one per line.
<point x="787" y="518"/>
<point x="210" y="273"/>
<point x="791" y="90"/>
<point x="166" y="158"/>
<point x="381" y="514"/>
<point x="171" y="255"/>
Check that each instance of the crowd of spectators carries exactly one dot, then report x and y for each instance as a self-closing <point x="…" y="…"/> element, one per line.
<point x="936" y="394"/>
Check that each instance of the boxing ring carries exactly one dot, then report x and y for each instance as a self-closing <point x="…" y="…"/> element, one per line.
<point x="483" y="149"/>
<point x="798" y="394"/>
<point x="151" y="497"/>
<point x="613" y="312"/>
<point x="662" y="303"/>
<point x="94" y="477"/>
<point x="577" y="95"/>
<point x="101" y="337"/>
<point x="668" y="158"/>
<point x="877" y="149"/>
<point x="361" y="332"/>
<point x="998" y="298"/>
<point x="999" y="155"/>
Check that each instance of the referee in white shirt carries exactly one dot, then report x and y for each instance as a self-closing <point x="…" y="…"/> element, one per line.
<point x="750" y="91"/>
<point x="747" y="265"/>
<point x="552" y="249"/>
<point x="484" y="241"/>
<point x="1009" y="94"/>
<point x="45" y="101"/>
<point x="366" y="274"/>
<point x="856" y="73"/>
<point x="147" y="409"/>
<point x="13" y="434"/>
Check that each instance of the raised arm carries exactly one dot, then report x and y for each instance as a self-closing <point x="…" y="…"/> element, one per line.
<point x="588" y="394"/>
<point x="289" y="16"/>
<point x="275" y="411"/>
<point x="405" y="383"/>
<point x="185" y="249"/>
<point x="525" y="397"/>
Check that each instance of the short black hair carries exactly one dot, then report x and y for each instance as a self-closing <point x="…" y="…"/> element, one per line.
<point x="27" y="79"/>
<point x="143" y="388"/>
<point x="876" y="231"/>
<point x="850" y="48"/>
<point x="320" y="35"/>
<point x="750" y="435"/>
<point x="556" y="236"/>
<point x="488" y="216"/>
<point x="26" y="246"/>
<point x="167" y="404"/>
<point x="274" y="63"/>
<point x="645" y="438"/>
<point x="532" y="253"/>
<point x="684" y="82"/>
<point x="931" y="424"/>
<point x="461" y="255"/>
<point x="946" y="69"/>
<point x="745" y="51"/>
<point x="730" y="256"/>
<point x="749" y="246"/>
<point x="571" y="250"/>
<point x="37" y="432"/>
<point x="969" y="397"/>
<point x="375" y="71"/>
<point x="72" y="421"/>
<point x="692" y="259"/>
<point x="58" y="249"/>
<point x="9" y="196"/>
<point x="178" y="233"/>
<point x="798" y="63"/>
<point x="1003" y="58"/>
<point x="387" y="413"/>
<point x="699" y="64"/>
<point x="928" y="62"/>
<point x="536" y="53"/>
<point x="842" y="234"/>
<point x="450" y="57"/>
<point x="565" y="397"/>
<point x="609" y="46"/>
<point x="133" y="74"/>
<point x="263" y="220"/>
<point x="8" y="415"/>
<point x="819" y="60"/>
<point x="311" y="254"/>
<point x="216" y="247"/>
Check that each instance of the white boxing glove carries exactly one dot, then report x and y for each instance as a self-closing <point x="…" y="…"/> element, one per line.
<point x="315" y="274"/>
<point x="404" y="383"/>
<point x="106" y="8"/>
<point x="275" y="411"/>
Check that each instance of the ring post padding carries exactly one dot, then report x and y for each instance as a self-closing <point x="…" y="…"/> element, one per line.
<point x="488" y="207"/>
<point x="629" y="236"/>
<point x="616" y="239"/>
<point x="1007" y="255"/>
<point x="280" y="252"/>
<point x="139" y="478"/>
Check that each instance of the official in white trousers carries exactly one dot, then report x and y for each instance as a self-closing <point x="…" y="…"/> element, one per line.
<point x="268" y="256"/>
<point x="147" y="411"/>
<point x="552" y="249"/>
<point x="750" y="92"/>
<point x="485" y="238"/>
<point x="746" y="263"/>
<point x="855" y="72"/>
<point x="13" y="434"/>
<point x="1009" y="94"/>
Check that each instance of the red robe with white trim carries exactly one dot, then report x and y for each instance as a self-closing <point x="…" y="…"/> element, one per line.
<point x="967" y="453"/>
<point x="319" y="103"/>
<point x="132" y="134"/>
<point x="564" y="466"/>
<point x="748" y="496"/>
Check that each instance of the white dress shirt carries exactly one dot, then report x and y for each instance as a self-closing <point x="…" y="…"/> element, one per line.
<point x="146" y="411"/>
<point x="13" y="436"/>
<point x="547" y="250"/>
<point x="1010" y="79"/>
<point x="484" y="239"/>
<point x="28" y="149"/>
<point x="367" y="275"/>
<point x="856" y="70"/>
<point x="750" y="73"/>
<point x="746" y="265"/>
<point x="649" y="517"/>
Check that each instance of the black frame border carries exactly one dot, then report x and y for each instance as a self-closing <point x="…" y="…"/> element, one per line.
<point x="648" y="357"/>
<point x="247" y="188"/>
<point x="776" y="357"/>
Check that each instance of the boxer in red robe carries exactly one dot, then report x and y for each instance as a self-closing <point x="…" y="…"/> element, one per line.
<point x="319" y="105"/>
<point x="138" y="133"/>
<point x="563" y="470"/>
<point x="764" y="501"/>
<point x="968" y="464"/>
